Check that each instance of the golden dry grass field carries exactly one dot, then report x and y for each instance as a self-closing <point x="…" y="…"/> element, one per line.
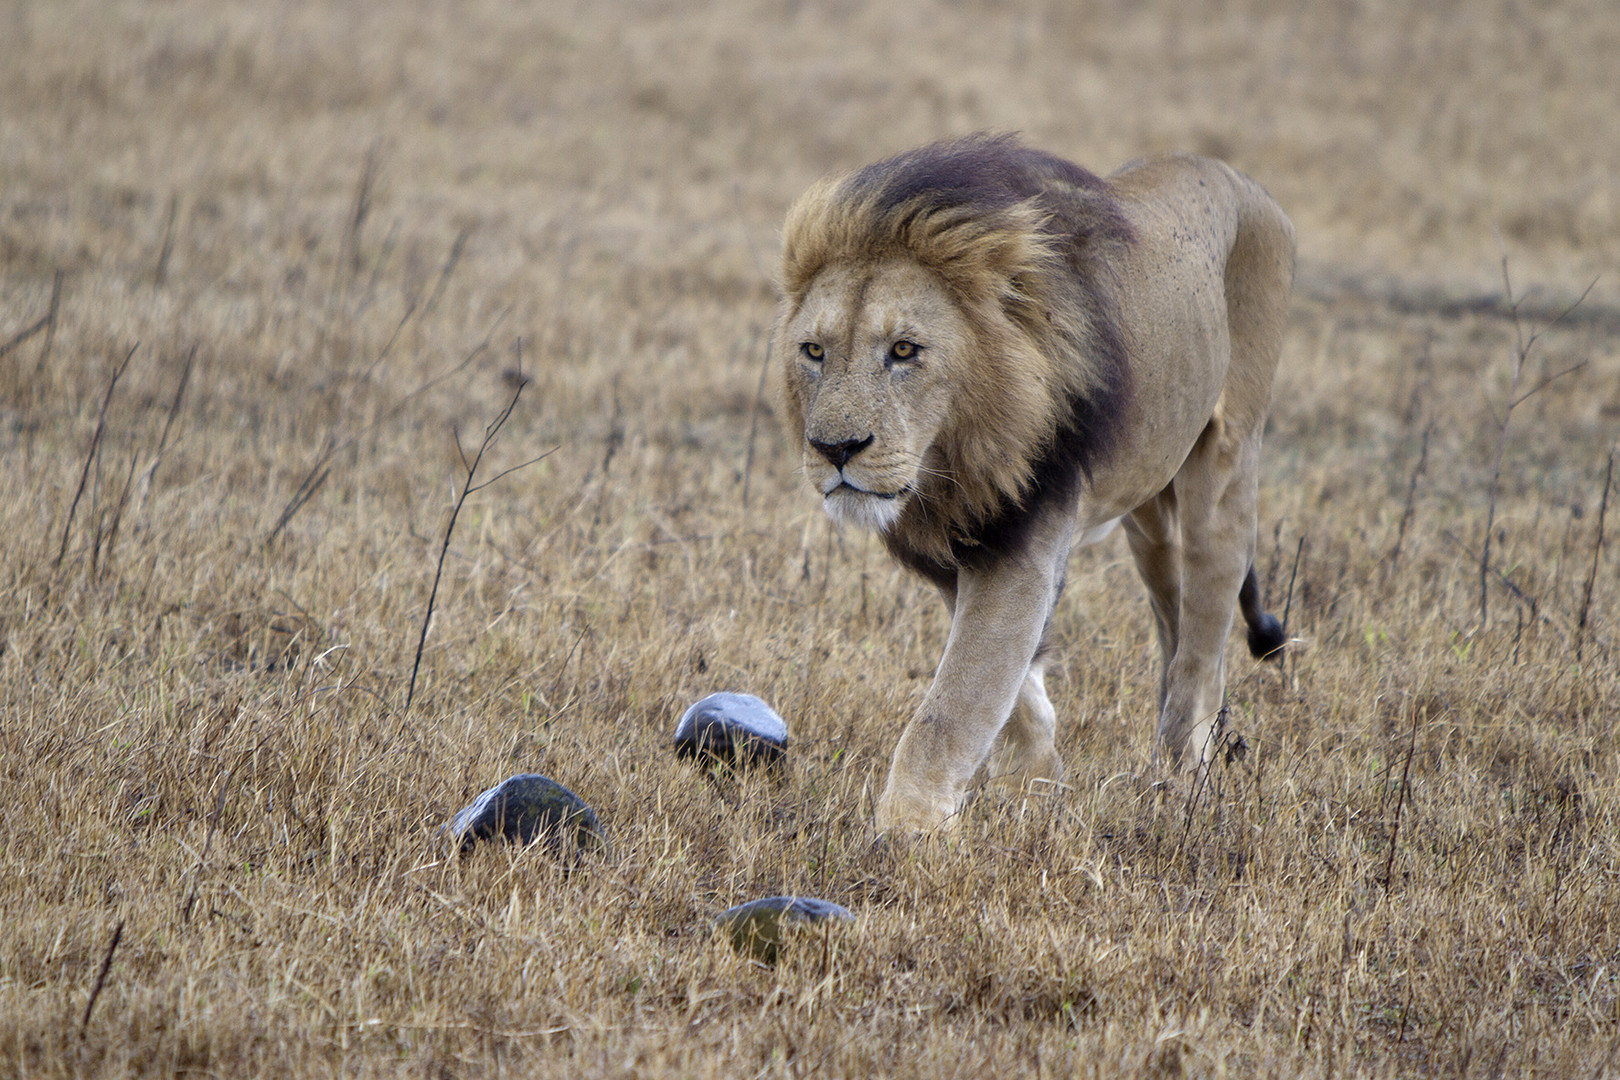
<point x="328" y="237"/>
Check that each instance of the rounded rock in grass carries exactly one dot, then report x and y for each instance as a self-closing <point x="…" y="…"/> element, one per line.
<point x="731" y="729"/>
<point x="526" y="808"/>
<point x="761" y="927"/>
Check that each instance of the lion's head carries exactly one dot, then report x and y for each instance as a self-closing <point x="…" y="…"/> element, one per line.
<point x="946" y="339"/>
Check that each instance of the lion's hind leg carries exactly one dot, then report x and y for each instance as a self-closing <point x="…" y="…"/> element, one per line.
<point x="1154" y="535"/>
<point x="1215" y="492"/>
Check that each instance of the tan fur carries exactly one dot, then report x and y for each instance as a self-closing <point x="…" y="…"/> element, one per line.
<point x="1183" y="268"/>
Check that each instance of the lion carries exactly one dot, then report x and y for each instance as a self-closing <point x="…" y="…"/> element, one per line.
<point x="992" y="355"/>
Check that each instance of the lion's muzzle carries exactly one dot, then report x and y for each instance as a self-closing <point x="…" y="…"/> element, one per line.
<point x="840" y="453"/>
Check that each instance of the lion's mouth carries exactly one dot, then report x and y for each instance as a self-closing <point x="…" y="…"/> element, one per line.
<point x="850" y="505"/>
<point x="845" y="485"/>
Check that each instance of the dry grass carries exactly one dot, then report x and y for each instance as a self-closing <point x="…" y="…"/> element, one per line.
<point x="326" y="208"/>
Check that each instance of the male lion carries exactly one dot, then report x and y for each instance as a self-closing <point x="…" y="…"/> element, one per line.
<point x="994" y="354"/>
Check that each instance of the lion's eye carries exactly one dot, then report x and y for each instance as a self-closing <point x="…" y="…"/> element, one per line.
<point x="904" y="350"/>
<point x="812" y="351"/>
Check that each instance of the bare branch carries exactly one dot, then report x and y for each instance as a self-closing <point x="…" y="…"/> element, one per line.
<point x="1411" y="494"/>
<point x="92" y="453"/>
<point x="101" y="977"/>
<point x="350" y="256"/>
<point x="1521" y="355"/>
<point x="174" y="410"/>
<point x="1400" y="803"/>
<point x="507" y="472"/>
<point x="45" y="322"/>
<point x="1544" y="383"/>
<point x="1597" y="553"/>
<point x="492" y="432"/>
<point x="161" y="273"/>
<point x="388" y="346"/>
<point x="449" y="267"/>
<point x="316" y="475"/>
<point x="753" y="413"/>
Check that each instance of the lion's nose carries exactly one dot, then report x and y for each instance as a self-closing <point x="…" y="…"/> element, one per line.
<point x="840" y="453"/>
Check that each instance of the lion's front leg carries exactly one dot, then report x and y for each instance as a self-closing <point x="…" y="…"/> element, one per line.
<point x="1026" y="748"/>
<point x="998" y="619"/>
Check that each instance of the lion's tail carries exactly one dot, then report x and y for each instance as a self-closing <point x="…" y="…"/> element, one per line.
<point x="1266" y="635"/>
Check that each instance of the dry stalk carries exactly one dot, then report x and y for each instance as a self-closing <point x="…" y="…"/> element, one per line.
<point x="1523" y="346"/>
<point x="92" y="454"/>
<point x="320" y="469"/>
<point x="378" y="265"/>
<point x="168" y="421"/>
<point x="349" y="257"/>
<point x="43" y="322"/>
<point x="1288" y="604"/>
<point x="492" y="431"/>
<point x="50" y="324"/>
<point x="449" y="267"/>
<point x="106" y="531"/>
<point x="208" y="841"/>
<point x="1597" y="554"/>
<point x="1411" y="496"/>
<point x="101" y="977"/>
<point x="753" y="417"/>
<point x="160" y="273"/>
<point x="1400" y="804"/>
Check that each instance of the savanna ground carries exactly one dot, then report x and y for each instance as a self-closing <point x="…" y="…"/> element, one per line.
<point x="328" y="237"/>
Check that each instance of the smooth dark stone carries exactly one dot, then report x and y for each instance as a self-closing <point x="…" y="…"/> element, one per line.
<point x="761" y="927"/>
<point x="526" y="808"/>
<point x="732" y="729"/>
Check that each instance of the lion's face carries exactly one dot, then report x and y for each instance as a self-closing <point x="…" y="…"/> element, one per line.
<point x="870" y="355"/>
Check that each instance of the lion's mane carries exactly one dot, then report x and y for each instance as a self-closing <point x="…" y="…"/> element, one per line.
<point x="1021" y="240"/>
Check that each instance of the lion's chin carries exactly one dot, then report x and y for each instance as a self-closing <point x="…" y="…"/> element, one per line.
<point x="863" y="509"/>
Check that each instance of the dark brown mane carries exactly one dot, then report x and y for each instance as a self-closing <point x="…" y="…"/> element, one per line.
<point x="1024" y="240"/>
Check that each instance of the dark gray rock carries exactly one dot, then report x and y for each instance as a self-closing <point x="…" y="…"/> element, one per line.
<point x="731" y="729"/>
<point x="526" y="808"/>
<point x="761" y="927"/>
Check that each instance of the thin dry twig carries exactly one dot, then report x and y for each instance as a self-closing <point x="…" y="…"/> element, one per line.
<point x="92" y="453"/>
<point x="174" y="411"/>
<point x="349" y="258"/>
<point x="1597" y="554"/>
<point x="492" y="431"/>
<point x="450" y="263"/>
<point x="160" y="273"/>
<point x="101" y="551"/>
<point x="1411" y="496"/>
<point x="1400" y="803"/>
<point x="320" y="469"/>
<point x="1528" y="600"/>
<point x="50" y="324"/>
<point x="753" y="417"/>
<point x="1521" y="354"/>
<point x="45" y="321"/>
<point x="208" y="840"/>
<point x="101" y="977"/>
<point x="1288" y="604"/>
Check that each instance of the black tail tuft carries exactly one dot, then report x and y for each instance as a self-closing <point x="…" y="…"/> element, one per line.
<point x="1266" y="634"/>
<point x="1266" y="637"/>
